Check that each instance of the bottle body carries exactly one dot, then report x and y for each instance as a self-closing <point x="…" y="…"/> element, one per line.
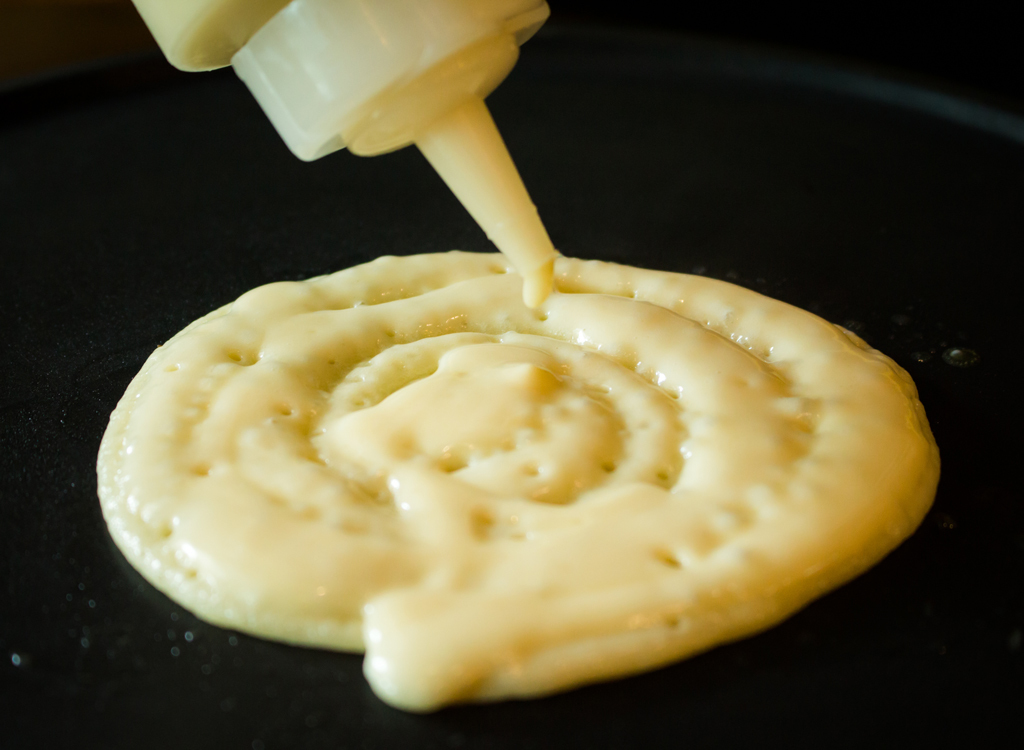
<point x="198" y="35"/>
<point x="204" y="34"/>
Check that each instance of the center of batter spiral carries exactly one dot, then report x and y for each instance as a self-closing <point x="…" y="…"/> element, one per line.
<point x="509" y="420"/>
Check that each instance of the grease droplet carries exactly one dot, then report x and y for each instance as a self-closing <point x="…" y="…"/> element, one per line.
<point x="959" y="356"/>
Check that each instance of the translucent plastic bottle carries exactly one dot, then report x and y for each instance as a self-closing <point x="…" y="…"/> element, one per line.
<point x="374" y="76"/>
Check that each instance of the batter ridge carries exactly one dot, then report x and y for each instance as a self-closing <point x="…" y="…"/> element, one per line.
<point x="495" y="501"/>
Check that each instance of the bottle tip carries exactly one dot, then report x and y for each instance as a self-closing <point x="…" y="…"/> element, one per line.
<point x="537" y="284"/>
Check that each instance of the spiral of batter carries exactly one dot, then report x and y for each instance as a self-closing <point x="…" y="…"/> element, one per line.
<point x="498" y="501"/>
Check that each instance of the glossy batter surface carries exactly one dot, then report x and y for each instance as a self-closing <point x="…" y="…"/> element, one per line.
<point x="495" y="501"/>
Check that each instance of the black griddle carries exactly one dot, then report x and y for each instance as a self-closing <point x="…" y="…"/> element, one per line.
<point x="134" y="201"/>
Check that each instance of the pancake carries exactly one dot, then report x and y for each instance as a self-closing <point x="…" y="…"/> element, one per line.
<point x="495" y="501"/>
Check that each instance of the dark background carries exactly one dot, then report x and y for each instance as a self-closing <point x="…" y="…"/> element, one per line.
<point x="970" y="44"/>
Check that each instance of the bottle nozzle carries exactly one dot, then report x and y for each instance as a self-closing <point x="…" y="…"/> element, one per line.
<point x="466" y="149"/>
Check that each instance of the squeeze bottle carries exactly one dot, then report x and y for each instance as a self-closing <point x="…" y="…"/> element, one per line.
<point x="377" y="75"/>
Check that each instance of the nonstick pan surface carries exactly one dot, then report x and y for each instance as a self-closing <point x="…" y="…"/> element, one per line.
<point x="130" y="206"/>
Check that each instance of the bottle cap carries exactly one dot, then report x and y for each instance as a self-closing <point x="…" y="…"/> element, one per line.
<point x="370" y="74"/>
